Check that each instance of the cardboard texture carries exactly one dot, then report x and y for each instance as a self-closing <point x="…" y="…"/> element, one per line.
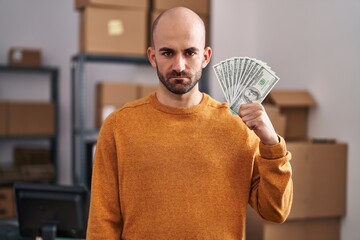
<point x="145" y="90"/>
<point x="319" y="176"/>
<point x="24" y="57"/>
<point x="114" y="31"/>
<point x="277" y="119"/>
<point x="31" y="156"/>
<point x="26" y="118"/>
<point x="3" y="119"/>
<point x="295" y="106"/>
<point x="309" y="229"/>
<point x="36" y="172"/>
<point x="7" y="203"/>
<point x="200" y="6"/>
<point x="112" y="95"/>
<point x="81" y="4"/>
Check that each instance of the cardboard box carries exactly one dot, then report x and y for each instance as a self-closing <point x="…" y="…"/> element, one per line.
<point x="145" y="90"/>
<point x="3" y="119"/>
<point x="117" y="31"/>
<point x="81" y="4"/>
<point x="31" y="156"/>
<point x="200" y="6"/>
<point x="295" y="106"/>
<point x="112" y="95"/>
<point x="278" y="120"/>
<point x="24" y="57"/>
<point x="37" y="172"/>
<point x="309" y="229"/>
<point x="319" y="176"/>
<point x="26" y="118"/>
<point x="7" y="203"/>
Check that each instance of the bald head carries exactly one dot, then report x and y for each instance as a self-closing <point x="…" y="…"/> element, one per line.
<point x="178" y="19"/>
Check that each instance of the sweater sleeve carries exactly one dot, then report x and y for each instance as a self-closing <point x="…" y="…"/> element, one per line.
<point x="105" y="219"/>
<point x="272" y="188"/>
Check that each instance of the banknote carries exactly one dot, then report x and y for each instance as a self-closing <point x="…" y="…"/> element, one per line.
<point x="244" y="80"/>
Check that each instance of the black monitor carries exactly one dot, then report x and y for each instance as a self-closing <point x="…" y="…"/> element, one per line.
<point x="51" y="210"/>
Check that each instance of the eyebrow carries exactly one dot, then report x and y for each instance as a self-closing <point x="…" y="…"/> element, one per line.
<point x="166" y="49"/>
<point x="193" y="49"/>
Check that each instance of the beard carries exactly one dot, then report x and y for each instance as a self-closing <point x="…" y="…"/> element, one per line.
<point x="180" y="85"/>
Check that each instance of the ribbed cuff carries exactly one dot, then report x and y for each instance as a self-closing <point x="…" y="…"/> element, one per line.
<point x="275" y="151"/>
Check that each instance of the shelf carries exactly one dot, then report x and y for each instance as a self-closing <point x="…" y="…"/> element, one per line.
<point x="111" y="59"/>
<point x="6" y="68"/>
<point x="87" y="131"/>
<point x="20" y="138"/>
<point x="53" y="74"/>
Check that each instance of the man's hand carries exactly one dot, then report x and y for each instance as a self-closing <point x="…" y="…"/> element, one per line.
<point x="255" y="117"/>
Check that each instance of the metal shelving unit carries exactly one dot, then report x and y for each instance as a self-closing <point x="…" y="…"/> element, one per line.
<point x="53" y="74"/>
<point x="81" y="135"/>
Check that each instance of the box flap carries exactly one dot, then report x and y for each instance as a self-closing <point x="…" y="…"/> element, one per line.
<point x="291" y="98"/>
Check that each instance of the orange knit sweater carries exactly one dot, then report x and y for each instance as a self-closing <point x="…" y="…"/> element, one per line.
<point x="188" y="173"/>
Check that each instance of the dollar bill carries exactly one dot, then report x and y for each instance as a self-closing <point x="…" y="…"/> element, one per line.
<point x="244" y="80"/>
<point x="257" y="89"/>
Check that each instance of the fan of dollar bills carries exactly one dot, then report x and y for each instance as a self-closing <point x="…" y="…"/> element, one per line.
<point x="244" y="80"/>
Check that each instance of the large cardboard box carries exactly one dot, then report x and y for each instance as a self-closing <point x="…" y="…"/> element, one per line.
<point x="30" y="118"/>
<point x="112" y="95"/>
<point x="319" y="176"/>
<point x="24" y="57"/>
<point x="7" y="203"/>
<point x="115" y="31"/>
<point x="2" y="118"/>
<point x="81" y="4"/>
<point x="309" y="229"/>
<point x="31" y="156"/>
<point x="294" y="104"/>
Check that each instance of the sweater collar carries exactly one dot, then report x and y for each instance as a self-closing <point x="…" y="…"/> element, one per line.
<point x="163" y="108"/>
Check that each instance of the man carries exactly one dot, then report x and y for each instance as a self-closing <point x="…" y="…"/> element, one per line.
<point x="251" y="95"/>
<point x="177" y="164"/>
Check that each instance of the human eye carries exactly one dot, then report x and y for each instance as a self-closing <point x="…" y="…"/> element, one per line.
<point x="167" y="52"/>
<point x="190" y="52"/>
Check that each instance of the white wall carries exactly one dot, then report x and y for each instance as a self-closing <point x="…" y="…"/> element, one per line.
<point x="312" y="45"/>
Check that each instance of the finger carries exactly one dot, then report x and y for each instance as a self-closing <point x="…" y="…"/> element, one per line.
<point x="248" y="108"/>
<point x="251" y="112"/>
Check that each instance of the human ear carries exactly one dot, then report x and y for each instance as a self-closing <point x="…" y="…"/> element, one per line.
<point x="207" y="56"/>
<point x="151" y="56"/>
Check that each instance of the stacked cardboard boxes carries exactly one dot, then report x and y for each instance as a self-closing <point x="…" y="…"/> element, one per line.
<point x="113" y="95"/>
<point x="117" y="27"/>
<point x="319" y="176"/>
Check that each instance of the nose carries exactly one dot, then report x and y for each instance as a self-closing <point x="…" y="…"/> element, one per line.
<point x="179" y="63"/>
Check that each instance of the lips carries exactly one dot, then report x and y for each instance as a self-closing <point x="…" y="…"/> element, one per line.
<point x="178" y="75"/>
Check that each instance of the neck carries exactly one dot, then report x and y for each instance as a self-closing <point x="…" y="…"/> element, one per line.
<point x="186" y="100"/>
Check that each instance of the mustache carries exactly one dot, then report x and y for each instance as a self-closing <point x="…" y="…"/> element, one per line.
<point x="178" y="74"/>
